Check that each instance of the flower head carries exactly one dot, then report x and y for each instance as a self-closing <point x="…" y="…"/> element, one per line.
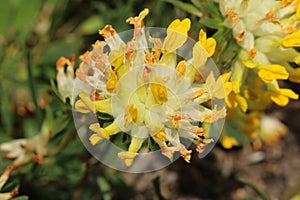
<point x="26" y="150"/>
<point x="148" y="92"/>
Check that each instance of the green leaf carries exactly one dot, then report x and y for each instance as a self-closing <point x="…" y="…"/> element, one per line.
<point x="104" y="187"/>
<point x="4" y="16"/>
<point x="212" y="23"/>
<point x="262" y="195"/>
<point x="57" y="49"/>
<point x="21" y="198"/>
<point x="104" y="116"/>
<point x="31" y="127"/>
<point x="6" y="114"/>
<point x="186" y="7"/>
<point x="25" y="15"/>
<point x="212" y="8"/>
<point x="233" y="132"/>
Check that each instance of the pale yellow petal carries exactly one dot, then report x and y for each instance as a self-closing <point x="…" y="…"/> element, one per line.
<point x="200" y="55"/>
<point x="104" y="106"/>
<point x="116" y="58"/>
<point x="95" y="139"/>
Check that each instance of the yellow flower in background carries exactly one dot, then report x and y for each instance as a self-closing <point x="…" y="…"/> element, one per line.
<point x="281" y="96"/>
<point x="265" y="34"/>
<point x="295" y="75"/>
<point x="292" y="40"/>
<point x="228" y="142"/>
<point x="233" y="97"/>
<point x="148" y="92"/>
<point x="271" y="130"/>
<point x="268" y="73"/>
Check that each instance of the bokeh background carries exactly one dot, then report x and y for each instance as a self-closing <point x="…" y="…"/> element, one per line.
<point x="35" y="33"/>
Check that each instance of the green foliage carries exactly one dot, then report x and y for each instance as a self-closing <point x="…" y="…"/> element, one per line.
<point x="261" y="194"/>
<point x="186" y="7"/>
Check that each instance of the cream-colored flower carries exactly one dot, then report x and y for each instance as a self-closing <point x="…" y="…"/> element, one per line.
<point x="65" y="77"/>
<point x="271" y="130"/>
<point x="26" y="150"/>
<point x="149" y="94"/>
<point x="3" y="179"/>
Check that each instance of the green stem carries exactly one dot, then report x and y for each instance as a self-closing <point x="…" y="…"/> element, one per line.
<point x="32" y="88"/>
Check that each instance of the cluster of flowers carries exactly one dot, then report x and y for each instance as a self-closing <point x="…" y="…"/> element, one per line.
<point x="147" y="91"/>
<point x="266" y="33"/>
<point x="23" y="151"/>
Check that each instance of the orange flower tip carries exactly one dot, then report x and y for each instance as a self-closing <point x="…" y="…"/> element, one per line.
<point x="107" y="32"/>
<point x="252" y="53"/>
<point x="186" y="157"/>
<point x="240" y="37"/>
<point x="50" y="133"/>
<point x="6" y="157"/>
<point x="9" y="169"/>
<point x="233" y="15"/>
<point x="84" y="56"/>
<point x="137" y="20"/>
<point x="37" y="159"/>
<point x="72" y="59"/>
<point x="61" y="62"/>
<point x="15" y="192"/>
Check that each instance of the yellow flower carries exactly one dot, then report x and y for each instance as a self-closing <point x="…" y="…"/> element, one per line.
<point x="281" y="96"/>
<point x="268" y="73"/>
<point x="209" y="44"/>
<point x="228" y="142"/>
<point x="111" y="83"/>
<point x="233" y="98"/>
<point x="149" y="94"/>
<point x="176" y="35"/>
<point x="135" y="145"/>
<point x="159" y="90"/>
<point x="292" y="40"/>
